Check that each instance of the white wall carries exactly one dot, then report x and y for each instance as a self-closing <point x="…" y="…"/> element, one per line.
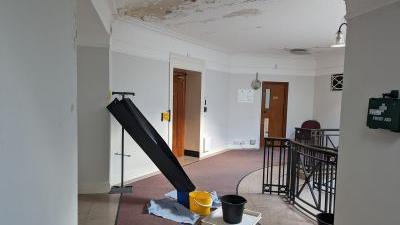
<point x="327" y="103"/>
<point x="91" y="31"/>
<point x="38" y="131"/>
<point x="93" y="91"/>
<point x="106" y="11"/>
<point x="215" y="127"/>
<point x="149" y="79"/>
<point x="369" y="179"/>
<point x="93" y="119"/>
<point x="244" y="118"/>
<point x="192" y="111"/>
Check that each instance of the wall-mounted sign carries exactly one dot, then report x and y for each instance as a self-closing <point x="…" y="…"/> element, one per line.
<point x="246" y="96"/>
<point x="166" y="116"/>
<point x="384" y="113"/>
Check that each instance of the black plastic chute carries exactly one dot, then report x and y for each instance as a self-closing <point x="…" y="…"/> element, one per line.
<point x="140" y="129"/>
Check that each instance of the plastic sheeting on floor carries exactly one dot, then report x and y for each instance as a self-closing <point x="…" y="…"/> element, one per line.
<point x="170" y="209"/>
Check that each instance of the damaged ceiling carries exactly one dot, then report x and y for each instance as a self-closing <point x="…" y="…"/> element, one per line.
<point x="166" y="11"/>
<point x="255" y="26"/>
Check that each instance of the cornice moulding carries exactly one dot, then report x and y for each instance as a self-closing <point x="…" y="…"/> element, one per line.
<point x="357" y="8"/>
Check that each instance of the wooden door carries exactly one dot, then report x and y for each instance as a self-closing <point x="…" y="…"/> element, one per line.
<point x="178" y="125"/>
<point x="273" y="110"/>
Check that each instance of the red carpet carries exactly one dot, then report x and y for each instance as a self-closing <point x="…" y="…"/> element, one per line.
<point x="220" y="173"/>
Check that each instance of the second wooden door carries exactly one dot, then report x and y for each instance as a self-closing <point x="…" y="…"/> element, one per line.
<point x="273" y="110"/>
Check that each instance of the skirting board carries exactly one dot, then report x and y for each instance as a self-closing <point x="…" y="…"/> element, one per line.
<point x="192" y="153"/>
<point x="141" y="177"/>
<point x="232" y="148"/>
<point x="243" y="147"/>
<point x="205" y="155"/>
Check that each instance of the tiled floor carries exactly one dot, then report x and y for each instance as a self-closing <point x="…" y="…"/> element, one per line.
<point x="275" y="211"/>
<point x="251" y="185"/>
<point x="273" y="208"/>
<point x="97" y="209"/>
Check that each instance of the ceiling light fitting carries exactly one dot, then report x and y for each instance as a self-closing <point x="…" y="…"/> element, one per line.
<point x="340" y="41"/>
<point x="299" y="51"/>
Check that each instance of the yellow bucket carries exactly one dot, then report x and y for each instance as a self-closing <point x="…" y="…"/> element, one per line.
<point x="200" y="202"/>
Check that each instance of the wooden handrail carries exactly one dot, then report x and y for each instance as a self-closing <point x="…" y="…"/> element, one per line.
<point x="328" y="129"/>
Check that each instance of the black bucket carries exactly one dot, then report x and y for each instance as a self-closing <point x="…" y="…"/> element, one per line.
<point x="325" y="219"/>
<point x="232" y="208"/>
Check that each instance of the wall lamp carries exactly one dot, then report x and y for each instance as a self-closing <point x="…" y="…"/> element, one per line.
<point x="256" y="84"/>
<point x="340" y="41"/>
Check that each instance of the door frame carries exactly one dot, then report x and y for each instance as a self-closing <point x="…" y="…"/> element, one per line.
<point x="285" y="110"/>
<point x="177" y="61"/>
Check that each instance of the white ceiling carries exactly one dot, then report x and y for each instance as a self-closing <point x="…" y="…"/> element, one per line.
<point x="245" y="26"/>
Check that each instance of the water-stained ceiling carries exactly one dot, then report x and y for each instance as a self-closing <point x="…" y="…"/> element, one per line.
<point x="255" y="26"/>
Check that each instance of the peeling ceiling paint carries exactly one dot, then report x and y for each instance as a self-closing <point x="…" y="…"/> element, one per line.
<point x="164" y="10"/>
<point x="243" y="12"/>
<point x="244" y="25"/>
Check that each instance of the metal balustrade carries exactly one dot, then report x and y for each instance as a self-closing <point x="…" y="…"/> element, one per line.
<point x="328" y="138"/>
<point x="305" y="175"/>
<point x="276" y="168"/>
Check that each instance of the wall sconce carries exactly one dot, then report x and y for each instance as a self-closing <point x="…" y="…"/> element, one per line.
<point x="256" y="84"/>
<point x="340" y="40"/>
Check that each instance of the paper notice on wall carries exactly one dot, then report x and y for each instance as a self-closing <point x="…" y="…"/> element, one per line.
<point x="246" y="96"/>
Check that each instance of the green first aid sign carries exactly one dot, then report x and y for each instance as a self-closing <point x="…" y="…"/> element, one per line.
<point x="384" y="113"/>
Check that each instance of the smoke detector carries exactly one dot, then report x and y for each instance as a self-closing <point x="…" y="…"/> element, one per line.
<point x="299" y="51"/>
